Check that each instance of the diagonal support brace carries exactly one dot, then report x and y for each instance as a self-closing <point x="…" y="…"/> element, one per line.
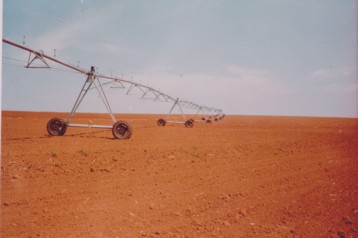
<point x="37" y="56"/>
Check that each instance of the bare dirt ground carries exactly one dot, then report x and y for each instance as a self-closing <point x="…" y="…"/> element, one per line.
<point x="243" y="176"/>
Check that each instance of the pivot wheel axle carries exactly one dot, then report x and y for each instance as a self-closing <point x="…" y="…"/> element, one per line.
<point x="161" y="122"/>
<point x="122" y="130"/>
<point x="189" y="123"/>
<point x="56" y="127"/>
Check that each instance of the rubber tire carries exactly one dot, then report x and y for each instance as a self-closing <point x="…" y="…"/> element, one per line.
<point x="189" y="124"/>
<point x="161" y="122"/>
<point x="122" y="130"/>
<point x="56" y="127"/>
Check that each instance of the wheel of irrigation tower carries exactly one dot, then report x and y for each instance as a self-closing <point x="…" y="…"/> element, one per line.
<point x="189" y="124"/>
<point x="122" y="130"/>
<point x="56" y="127"/>
<point x="161" y="122"/>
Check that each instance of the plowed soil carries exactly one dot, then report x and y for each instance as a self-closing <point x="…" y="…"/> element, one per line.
<point x="243" y="176"/>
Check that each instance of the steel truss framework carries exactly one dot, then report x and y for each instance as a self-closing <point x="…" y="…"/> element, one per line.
<point x="120" y="129"/>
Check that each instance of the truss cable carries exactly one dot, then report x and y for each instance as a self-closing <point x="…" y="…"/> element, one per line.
<point x="16" y="65"/>
<point x="51" y="68"/>
<point x="6" y="57"/>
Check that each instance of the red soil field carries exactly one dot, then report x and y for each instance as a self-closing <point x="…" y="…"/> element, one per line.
<point x="243" y="176"/>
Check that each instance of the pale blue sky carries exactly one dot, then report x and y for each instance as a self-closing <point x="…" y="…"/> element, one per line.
<point x="257" y="57"/>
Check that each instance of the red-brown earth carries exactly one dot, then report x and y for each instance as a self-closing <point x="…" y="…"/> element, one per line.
<point x="243" y="176"/>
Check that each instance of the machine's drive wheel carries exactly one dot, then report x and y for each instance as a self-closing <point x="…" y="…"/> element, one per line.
<point x="189" y="124"/>
<point x="122" y="130"/>
<point x="56" y="127"/>
<point x="161" y="122"/>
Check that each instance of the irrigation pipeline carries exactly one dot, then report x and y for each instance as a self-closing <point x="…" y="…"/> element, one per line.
<point x="120" y="129"/>
<point x="40" y="54"/>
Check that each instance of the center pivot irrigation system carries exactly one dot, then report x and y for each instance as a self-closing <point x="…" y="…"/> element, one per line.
<point x="120" y="129"/>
